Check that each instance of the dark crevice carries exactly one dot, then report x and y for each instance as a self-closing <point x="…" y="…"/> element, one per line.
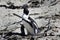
<point x="11" y="7"/>
<point x="53" y="1"/>
<point x="35" y="14"/>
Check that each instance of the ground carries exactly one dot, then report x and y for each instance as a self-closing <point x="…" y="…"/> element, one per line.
<point x="41" y="15"/>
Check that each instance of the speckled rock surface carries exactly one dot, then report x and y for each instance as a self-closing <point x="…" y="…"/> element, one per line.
<point x="47" y="13"/>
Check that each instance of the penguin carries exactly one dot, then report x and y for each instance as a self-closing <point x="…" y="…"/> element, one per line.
<point x="28" y="20"/>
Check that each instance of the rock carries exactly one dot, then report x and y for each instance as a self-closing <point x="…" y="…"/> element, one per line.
<point x="51" y="12"/>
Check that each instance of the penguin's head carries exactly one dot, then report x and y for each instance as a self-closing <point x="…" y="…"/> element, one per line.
<point x="25" y="6"/>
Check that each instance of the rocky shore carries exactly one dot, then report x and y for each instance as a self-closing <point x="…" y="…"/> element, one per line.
<point x="44" y="16"/>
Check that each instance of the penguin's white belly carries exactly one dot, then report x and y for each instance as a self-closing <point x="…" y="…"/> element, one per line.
<point x="28" y="27"/>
